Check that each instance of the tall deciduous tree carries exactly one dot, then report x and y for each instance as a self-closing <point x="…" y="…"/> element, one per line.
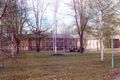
<point x="3" y="7"/>
<point x="82" y="15"/>
<point x="101" y="8"/>
<point x="39" y="8"/>
<point x="13" y="21"/>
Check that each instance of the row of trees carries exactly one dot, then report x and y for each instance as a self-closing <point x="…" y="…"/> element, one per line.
<point x="16" y="21"/>
<point x="89" y="16"/>
<point x="13" y="21"/>
<point x="95" y="17"/>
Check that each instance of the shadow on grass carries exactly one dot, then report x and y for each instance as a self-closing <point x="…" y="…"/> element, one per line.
<point x="57" y="55"/>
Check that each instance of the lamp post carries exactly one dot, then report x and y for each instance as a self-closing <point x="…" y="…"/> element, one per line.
<point x="112" y="46"/>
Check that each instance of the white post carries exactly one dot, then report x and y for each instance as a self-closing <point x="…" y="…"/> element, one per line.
<point x="112" y="46"/>
<point x="12" y="39"/>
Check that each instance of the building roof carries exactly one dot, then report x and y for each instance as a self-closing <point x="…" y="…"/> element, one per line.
<point x="50" y="35"/>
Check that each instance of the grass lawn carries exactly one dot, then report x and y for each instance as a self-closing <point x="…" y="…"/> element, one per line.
<point x="42" y="66"/>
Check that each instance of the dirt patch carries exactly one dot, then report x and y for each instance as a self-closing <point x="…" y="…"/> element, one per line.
<point x="15" y="77"/>
<point x="113" y="74"/>
<point x="117" y="77"/>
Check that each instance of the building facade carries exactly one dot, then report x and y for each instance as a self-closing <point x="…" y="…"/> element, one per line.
<point x="63" y="42"/>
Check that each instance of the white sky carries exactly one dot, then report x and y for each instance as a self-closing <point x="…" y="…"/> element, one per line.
<point x="62" y="13"/>
<point x="63" y="8"/>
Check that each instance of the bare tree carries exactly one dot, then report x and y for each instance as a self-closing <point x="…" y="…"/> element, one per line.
<point x="102" y="8"/>
<point x="3" y="7"/>
<point x="81" y="15"/>
<point x="38" y="8"/>
<point x="13" y="21"/>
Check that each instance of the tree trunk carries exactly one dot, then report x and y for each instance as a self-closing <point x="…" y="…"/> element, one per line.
<point x="17" y="49"/>
<point x="1" y="43"/>
<point x="97" y="44"/>
<point x="37" y="44"/>
<point x="102" y="47"/>
<point x="38" y="49"/>
<point x="29" y="44"/>
<point x="81" y="43"/>
<point x="17" y="41"/>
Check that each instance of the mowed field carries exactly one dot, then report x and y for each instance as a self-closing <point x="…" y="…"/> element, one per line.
<point x="72" y="66"/>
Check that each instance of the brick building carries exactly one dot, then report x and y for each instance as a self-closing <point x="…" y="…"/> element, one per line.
<point x="63" y="42"/>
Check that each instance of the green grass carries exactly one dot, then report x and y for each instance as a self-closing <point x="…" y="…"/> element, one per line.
<point x="42" y="66"/>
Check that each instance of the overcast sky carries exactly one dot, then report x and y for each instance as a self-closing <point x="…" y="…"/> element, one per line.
<point x="62" y="15"/>
<point x="64" y="10"/>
